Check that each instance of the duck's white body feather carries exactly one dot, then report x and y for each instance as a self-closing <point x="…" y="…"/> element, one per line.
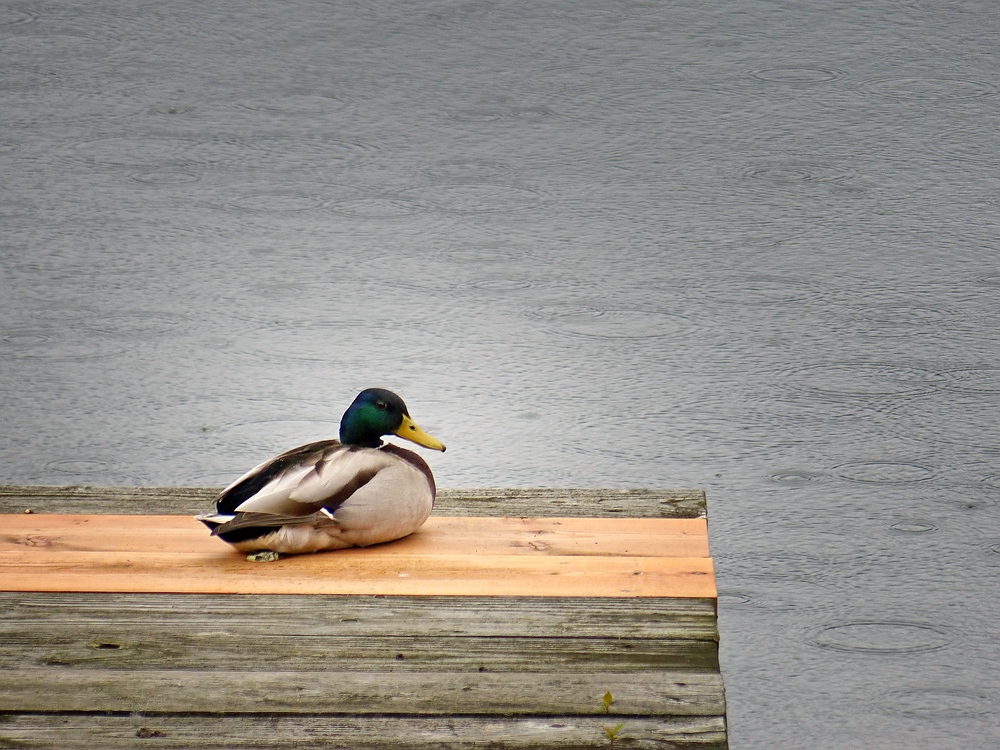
<point x="325" y="496"/>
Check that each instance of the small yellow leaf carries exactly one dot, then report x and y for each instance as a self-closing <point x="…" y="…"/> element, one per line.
<point x="612" y="732"/>
<point x="608" y="700"/>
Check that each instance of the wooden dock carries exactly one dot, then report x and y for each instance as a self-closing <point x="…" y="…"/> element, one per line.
<point x="503" y="623"/>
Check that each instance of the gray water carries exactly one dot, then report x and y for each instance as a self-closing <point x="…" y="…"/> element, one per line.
<point x="746" y="246"/>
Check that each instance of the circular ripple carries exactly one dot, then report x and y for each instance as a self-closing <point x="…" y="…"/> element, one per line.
<point x="276" y="202"/>
<point x="162" y="100"/>
<point x="989" y="279"/>
<point x="796" y="477"/>
<point x="791" y="568"/>
<point x="800" y="597"/>
<point x="25" y="78"/>
<point x="973" y="380"/>
<point x="308" y="343"/>
<point x="140" y="324"/>
<point x="37" y="104"/>
<point x="376" y="207"/>
<point x="158" y="151"/>
<point x="348" y="344"/>
<point x="968" y="420"/>
<point x="502" y="285"/>
<point x="45" y="342"/>
<point x="171" y="109"/>
<point x="974" y="7"/>
<point x="49" y="48"/>
<point x="477" y="115"/>
<point x="479" y="255"/>
<point x="793" y="172"/>
<point x="898" y="319"/>
<point x="762" y="290"/>
<point x="803" y="75"/>
<point x="281" y="434"/>
<point x="292" y="103"/>
<point x="468" y="170"/>
<point x="884" y="472"/>
<point x="165" y="177"/>
<point x="937" y="703"/>
<point x="313" y="151"/>
<point x="930" y="89"/>
<point x="425" y="282"/>
<point x="80" y="466"/>
<point x="295" y="289"/>
<point x="913" y="527"/>
<point x="492" y="114"/>
<point x="880" y="637"/>
<point x="474" y="198"/>
<point x="610" y="324"/>
<point x="11" y="16"/>
<point x="964" y="143"/>
<point x="733" y="599"/>
<point x="862" y="379"/>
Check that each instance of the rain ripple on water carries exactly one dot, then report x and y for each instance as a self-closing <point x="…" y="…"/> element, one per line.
<point x="796" y="75"/>
<point x="862" y="379"/>
<point x="929" y="89"/>
<point x="61" y="342"/>
<point x="884" y="472"/>
<point x="972" y="380"/>
<point x="936" y="703"/>
<point x="964" y="419"/>
<point x="880" y="637"/>
<point x="472" y="198"/>
<point x="610" y="324"/>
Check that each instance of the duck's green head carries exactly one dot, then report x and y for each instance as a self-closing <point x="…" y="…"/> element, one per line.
<point x="377" y="412"/>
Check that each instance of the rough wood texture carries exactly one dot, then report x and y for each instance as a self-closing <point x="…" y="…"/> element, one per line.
<point x="538" y="503"/>
<point x="648" y="693"/>
<point x="125" y="670"/>
<point x="310" y="732"/>
<point x="371" y="633"/>
<point x="281" y="616"/>
<point x="449" y="556"/>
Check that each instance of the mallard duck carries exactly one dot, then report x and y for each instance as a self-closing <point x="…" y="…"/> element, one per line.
<point x="332" y="494"/>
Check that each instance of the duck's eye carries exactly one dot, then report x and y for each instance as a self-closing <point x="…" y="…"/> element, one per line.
<point x="381" y="405"/>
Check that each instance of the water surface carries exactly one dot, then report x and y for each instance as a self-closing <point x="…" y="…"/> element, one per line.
<point x="749" y="247"/>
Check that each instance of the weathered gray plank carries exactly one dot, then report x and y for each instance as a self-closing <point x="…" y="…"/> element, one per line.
<point x="166" y="732"/>
<point x="635" y="503"/>
<point x="396" y="616"/>
<point x="148" y="649"/>
<point x="659" y="693"/>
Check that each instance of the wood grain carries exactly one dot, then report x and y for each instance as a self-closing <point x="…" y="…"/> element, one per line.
<point x="458" y="618"/>
<point x="332" y="692"/>
<point x="311" y="732"/>
<point x="453" y="557"/>
<point x="245" y="633"/>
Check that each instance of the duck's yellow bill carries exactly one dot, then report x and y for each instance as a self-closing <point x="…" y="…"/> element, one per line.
<point x="411" y="432"/>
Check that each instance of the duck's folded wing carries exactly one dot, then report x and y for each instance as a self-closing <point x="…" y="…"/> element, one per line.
<point x="276" y="476"/>
<point x="269" y="520"/>
<point x="302" y="481"/>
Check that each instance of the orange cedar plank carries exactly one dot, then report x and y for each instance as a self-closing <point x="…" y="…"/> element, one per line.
<point x="636" y="537"/>
<point x="450" y="556"/>
<point x="437" y="575"/>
